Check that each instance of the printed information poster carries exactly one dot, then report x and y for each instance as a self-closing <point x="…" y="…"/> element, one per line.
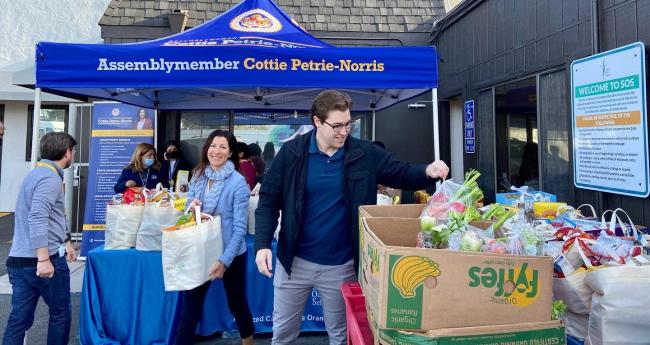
<point x="610" y="146"/>
<point x="116" y="130"/>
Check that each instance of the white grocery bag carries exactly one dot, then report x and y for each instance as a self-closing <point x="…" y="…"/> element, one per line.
<point x="122" y="224"/>
<point x="574" y="292"/>
<point x="189" y="253"/>
<point x="154" y="220"/>
<point x="252" y="206"/>
<point x="619" y="306"/>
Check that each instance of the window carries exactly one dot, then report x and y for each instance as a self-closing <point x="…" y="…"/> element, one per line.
<point x="248" y="127"/>
<point x="196" y="126"/>
<point x="53" y="118"/>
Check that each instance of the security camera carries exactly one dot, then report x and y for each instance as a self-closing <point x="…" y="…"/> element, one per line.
<point x="417" y="106"/>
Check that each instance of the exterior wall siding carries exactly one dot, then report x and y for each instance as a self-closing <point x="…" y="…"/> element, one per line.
<point x="499" y="41"/>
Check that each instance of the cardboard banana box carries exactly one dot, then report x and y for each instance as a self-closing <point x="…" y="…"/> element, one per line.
<point x="538" y="333"/>
<point x="408" y="288"/>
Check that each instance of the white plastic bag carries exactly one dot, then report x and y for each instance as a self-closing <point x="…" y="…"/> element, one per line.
<point x="189" y="253"/>
<point x="122" y="224"/>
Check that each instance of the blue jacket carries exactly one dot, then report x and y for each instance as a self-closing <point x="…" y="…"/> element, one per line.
<point x="233" y="210"/>
<point x="364" y="166"/>
<point x="155" y="177"/>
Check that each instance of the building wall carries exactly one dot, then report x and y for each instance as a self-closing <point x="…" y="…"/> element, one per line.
<point x="492" y="42"/>
<point x="14" y="167"/>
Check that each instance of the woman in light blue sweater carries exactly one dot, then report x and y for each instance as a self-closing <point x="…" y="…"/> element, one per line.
<point x="220" y="189"/>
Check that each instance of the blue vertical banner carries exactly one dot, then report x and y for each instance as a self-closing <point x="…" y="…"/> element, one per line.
<point x="116" y="130"/>
<point x="470" y="130"/>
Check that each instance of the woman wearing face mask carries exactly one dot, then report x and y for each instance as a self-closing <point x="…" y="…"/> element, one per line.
<point x="142" y="171"/>
<point x="220" y="190"/>
<point x="174" y="162"/>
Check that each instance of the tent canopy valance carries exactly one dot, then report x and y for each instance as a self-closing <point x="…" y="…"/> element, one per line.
<point x="253" y="56"/>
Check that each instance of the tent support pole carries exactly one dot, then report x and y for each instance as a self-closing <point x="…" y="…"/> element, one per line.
<point x="36" y="125"/>
<point x="374" y="125"/>
<point x="436" y="128"/>
<point x="68" y="174"/>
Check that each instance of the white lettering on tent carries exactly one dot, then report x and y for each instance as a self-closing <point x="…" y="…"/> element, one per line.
<point x="166" y="66"/>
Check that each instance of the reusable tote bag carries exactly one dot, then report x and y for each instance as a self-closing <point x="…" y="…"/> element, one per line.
<point x="619" y="306"/>
<point x="154" y="220"/>
<point x="189" y="253"/>
<point x="122" y="224"/>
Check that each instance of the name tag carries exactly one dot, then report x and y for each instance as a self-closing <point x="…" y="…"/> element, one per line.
<point x="62" y="250"/>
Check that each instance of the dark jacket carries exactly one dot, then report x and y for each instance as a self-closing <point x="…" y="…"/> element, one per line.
<point x="181" y="165"/>
<point x="365" y="165"/>
<point x="155" y="177"/>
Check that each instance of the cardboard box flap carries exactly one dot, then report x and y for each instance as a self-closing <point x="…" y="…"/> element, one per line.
<point x="392" y="211"/>
<point x="481" y="330"/>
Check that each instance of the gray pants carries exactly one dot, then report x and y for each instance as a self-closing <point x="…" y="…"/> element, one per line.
<point x="290" y="296"/>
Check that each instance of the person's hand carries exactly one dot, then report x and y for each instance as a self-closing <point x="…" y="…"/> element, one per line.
<point x="45" y="269"/>
<point x="437" y="169"/>
<point x="217" y="270"/>
<point x="131" y="183"/>
<point x="264" y="261"/>
<point x="71" y="254"/>
<point x="195" y="203"/>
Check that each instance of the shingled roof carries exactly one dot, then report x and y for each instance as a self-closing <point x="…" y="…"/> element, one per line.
<point x="313" y="15"/>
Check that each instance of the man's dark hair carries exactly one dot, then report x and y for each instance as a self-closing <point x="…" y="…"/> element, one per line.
<point x="327" y="101"/>
<point x="54" y="145"/>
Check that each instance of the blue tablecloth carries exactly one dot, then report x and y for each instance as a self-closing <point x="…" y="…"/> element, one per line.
<point x="123" y="300"/>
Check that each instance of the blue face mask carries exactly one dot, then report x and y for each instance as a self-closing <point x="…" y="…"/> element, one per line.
<point x="149" y="162"/>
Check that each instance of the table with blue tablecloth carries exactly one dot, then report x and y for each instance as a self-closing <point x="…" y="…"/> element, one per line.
<point x="123" y="300"/>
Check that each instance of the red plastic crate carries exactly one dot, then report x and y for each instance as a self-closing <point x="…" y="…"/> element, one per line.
<point x="359" y="332"/>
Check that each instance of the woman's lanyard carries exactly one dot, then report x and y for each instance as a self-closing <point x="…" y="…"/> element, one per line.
<point x="144" y="179"/>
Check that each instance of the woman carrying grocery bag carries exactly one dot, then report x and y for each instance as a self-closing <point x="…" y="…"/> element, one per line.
<point x="219" y="189"/>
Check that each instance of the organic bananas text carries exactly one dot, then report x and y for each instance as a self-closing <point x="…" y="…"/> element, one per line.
<point x="411" y="271"/>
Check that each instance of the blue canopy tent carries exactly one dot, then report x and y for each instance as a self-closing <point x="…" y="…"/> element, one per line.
<point x="252" y="57"/>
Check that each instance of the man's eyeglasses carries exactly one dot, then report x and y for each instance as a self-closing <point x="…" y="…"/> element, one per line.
<point x="337" y="128"/>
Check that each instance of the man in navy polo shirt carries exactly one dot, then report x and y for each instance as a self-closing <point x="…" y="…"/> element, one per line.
<point x="318" y="181"/>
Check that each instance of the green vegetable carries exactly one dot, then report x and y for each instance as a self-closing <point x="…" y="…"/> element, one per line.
<point x="427" y="223"/>
<point x="471" y="242"/>
<point x="559" y="308"/>
<point x="470" y="193"/>
<point x="471" y="214"/>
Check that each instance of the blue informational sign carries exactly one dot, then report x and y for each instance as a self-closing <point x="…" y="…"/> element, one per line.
<point x="470" y="131"/>
<point x="116" y="130"/>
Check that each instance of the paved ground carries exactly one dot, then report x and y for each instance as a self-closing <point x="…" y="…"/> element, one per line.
<point x="38" y="332"/>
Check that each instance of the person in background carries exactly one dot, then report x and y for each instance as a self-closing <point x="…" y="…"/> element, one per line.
<point x="318" y="181"/>
<point x="142" y="171"/>
<point x="256" y="159"/>
<point x="246" y="167"/>
<point x="268" y="155"/>
<point x="174" y="162"/>
<point x="220" y="189"/>
<point x="37" y="265"/>
<point x="143" y="121"/>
